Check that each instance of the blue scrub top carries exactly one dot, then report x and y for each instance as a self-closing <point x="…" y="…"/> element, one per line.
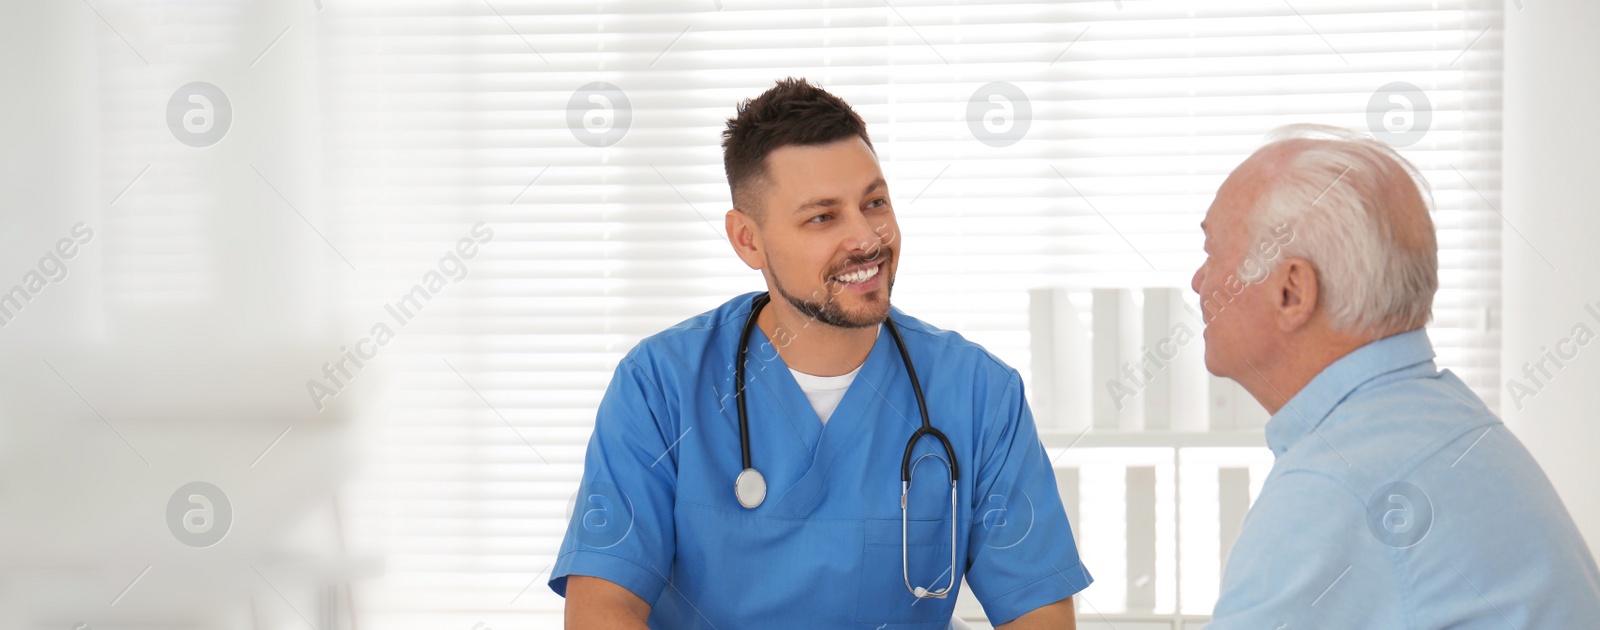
<point x="656" y="512"/>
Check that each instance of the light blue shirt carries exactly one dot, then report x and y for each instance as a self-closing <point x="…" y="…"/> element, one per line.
<point x="1398" y="500"/>
<point x="656" y="512"/>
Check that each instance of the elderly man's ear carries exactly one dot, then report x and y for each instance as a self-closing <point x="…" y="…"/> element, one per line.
<point x="1296" y="294"/>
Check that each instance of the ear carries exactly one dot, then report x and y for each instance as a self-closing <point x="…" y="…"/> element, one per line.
<point x="745" y="238"/>
<point x="1296" y="293"/>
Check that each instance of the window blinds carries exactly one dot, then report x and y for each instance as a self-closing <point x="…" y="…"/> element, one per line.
<point x="585" y="136"/>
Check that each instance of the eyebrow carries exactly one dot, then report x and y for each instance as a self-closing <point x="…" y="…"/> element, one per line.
<point x="828" y="202"/>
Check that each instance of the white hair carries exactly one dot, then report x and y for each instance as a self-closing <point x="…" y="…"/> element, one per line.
<point x="1359" y="212"/>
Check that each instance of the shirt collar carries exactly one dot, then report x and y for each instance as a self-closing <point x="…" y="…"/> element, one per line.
<point x="1334" y="383"/>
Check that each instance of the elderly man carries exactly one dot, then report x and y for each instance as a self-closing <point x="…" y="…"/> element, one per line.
<point x="1397" y="500"/>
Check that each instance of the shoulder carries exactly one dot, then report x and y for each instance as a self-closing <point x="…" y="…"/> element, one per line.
<point x="692" y="341"/>
<point x="1389" y="428"/>
<point x="951" y="351"/>
<point x="659" y="375"/>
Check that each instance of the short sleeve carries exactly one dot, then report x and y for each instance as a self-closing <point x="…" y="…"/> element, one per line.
<point x="1021" y="554"/>
<point x="1305" y="558"/>
<point x="621" y="528"/>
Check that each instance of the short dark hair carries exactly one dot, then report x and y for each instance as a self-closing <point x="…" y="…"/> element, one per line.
<point x="793" y="112"/>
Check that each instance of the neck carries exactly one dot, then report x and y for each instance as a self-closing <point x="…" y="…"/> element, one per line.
<point x="1286" y="370"/>
<point x="811" y="346"/>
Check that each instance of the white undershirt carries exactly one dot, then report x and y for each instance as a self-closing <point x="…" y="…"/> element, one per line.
<point x="825" y="392"/>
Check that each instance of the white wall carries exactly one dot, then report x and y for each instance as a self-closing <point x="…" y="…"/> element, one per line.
<point x="1552" y="129"/>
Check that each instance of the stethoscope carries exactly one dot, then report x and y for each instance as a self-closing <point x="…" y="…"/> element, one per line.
<point x="751" y="487"/>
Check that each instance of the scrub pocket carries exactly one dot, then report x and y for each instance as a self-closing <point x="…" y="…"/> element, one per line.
<point x="883" y="597"/>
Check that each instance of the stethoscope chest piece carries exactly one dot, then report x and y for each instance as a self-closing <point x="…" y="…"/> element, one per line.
<point x="751" y="488"/>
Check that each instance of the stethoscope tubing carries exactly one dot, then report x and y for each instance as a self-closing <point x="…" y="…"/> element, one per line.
<point x="927" y="429"/>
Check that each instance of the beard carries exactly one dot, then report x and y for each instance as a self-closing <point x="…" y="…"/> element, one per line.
<point x="830" y="312"/>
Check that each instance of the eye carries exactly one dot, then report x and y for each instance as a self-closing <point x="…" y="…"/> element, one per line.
<point x="880" y="202"/>
<point x="821" y="218"/>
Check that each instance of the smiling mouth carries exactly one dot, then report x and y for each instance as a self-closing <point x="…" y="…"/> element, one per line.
<point x="859" y="275"/>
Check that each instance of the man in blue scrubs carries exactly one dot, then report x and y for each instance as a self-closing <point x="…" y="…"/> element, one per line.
<point x="1397" y="499"/>
<point x="658" y="538"/>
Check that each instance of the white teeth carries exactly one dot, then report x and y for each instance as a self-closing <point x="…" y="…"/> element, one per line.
<point x="859" y="276"/>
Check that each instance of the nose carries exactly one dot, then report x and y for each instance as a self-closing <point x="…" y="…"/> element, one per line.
<point x="1198" y="279"/>
<point x="860" y="235"/>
